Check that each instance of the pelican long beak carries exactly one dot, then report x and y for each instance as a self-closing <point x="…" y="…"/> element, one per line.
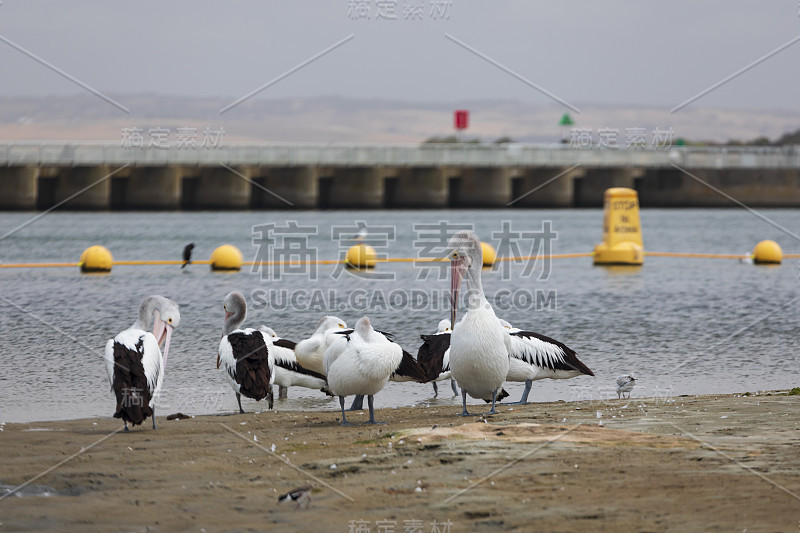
<point x="455" y="284"/>
<point x="159" y="329"/>
<point x="168" y="337"/>
<point x="218" y="361"/>
<point x="163" y="333"/>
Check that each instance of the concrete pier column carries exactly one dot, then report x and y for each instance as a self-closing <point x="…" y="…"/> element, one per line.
<point x="756" y="187"/>
<point x="361" y="187"/>
<point x="482" y="187"/>
<point x="85" y="187"/>
<point x="420" y="187"/>
<point x="546" y="187"/>
<point x="18" y="187"/>
<point x="220" y="188"/>
<point x="153" y="188"/>
<point x="287" y="187"/>
<point x="591" y="188"/>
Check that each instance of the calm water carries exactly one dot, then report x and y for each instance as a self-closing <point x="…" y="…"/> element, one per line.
<point x="685" y="326"/>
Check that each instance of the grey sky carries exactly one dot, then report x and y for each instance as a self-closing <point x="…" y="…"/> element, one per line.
<point x="629" y="52"/>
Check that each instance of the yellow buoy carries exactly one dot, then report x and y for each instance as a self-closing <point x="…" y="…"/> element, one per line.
<point x="360" y="256"/>
<point x="96" y="259"/>
<point x="226" y="257"/>
<point x="767" y="253"/>
<point x="489" y="254"/>
<point x="622" y="230"/>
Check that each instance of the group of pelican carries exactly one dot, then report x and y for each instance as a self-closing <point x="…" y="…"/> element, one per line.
<point x="478" y="354"/>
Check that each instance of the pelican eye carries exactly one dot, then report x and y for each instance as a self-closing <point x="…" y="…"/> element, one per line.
<point x="170" y="320"/>
<point x="455" y="255"/>
<point x="341" y="325"/>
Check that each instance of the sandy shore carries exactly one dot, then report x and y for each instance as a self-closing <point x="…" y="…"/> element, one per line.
<point x="712" y="463"/>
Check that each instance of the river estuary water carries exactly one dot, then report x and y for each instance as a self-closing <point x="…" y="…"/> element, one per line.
<point x="683" y="326"/>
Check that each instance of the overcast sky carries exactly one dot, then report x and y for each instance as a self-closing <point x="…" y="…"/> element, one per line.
<point x="629" y="52"/>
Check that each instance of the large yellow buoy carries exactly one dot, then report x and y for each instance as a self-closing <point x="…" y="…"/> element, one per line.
<point x="622" y="229"/>
<point x="96" y="259"/>
<point x="489" y="254"/>
<point x="360" y="256"/>
<point x="767" y="253"/>
<point x="226" y="257"/>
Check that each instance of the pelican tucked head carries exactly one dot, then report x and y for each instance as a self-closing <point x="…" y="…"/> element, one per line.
<point x="268" y="330"/>
<point x="166" y="317"/>
<point x="363" y="328"/>
<point x="444" y="326"/>
<point x="235" y="308"/>
<point x="328" y="322"/>
<point x="466" y="257"/>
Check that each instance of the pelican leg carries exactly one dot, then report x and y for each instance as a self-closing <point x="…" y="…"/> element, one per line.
<point x="239" y="399"/>
<point x="435" y="390"/>
<point x="126" y="425"/>
<point x="524" y="399"/>
<point x="453" y="384"/>
<point x="270" y="397"/>
<point x="494" y="399"/>
<point x="370" y="399"/>
<point x="464" y="412"/>
<point x="341" y="404"/>
<point x="358" y="403"/>
<point x="283" y="393"/>
<point x="154" y="418"/>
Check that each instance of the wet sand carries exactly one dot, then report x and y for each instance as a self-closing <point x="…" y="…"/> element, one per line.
<point x="709" y="463"/>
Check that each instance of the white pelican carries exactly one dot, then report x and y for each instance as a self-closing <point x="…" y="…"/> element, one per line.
<point x="361" y="362"/>
<point x="134" y="363"/>
<point x="246" y="354"/>
<point x="479" y="344"/>
<point x="288" y="372"/>
<point x="625" y="384"/>
<point x="408" y="370"/>
<point x="310" y="352"/>
<point x="434" y="356"/>
<point x="535" y="356"/>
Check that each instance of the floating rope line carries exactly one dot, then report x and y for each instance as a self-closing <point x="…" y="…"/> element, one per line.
<point x="690" y="255"/>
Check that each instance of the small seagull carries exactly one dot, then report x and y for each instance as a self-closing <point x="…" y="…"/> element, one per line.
<point x="187" y="255"/>
<point x="361" y="235"/>
<point x="300" y="495"/>
<point x="625" y="384"/>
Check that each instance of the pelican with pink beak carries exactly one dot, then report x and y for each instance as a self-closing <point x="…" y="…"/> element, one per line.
<point x="134" y="362"/>
<point x="479" y="344"/>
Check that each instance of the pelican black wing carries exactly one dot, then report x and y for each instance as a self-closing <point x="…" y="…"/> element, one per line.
<point x="410" y="368"/>
<point x="569" y="361"/>
<point x="252" y="364"/>
<point x="431" y="354"/>
<point x="284" y="343"/>
<point x="130" y="384"/>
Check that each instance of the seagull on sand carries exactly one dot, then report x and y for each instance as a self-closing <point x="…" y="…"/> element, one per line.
<point x="625" y="384"/>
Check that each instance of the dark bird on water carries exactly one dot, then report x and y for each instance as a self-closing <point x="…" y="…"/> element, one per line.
<point x="187" y="254"/>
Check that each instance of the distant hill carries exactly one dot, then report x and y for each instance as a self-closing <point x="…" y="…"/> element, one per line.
<point x="338" y="119"/>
